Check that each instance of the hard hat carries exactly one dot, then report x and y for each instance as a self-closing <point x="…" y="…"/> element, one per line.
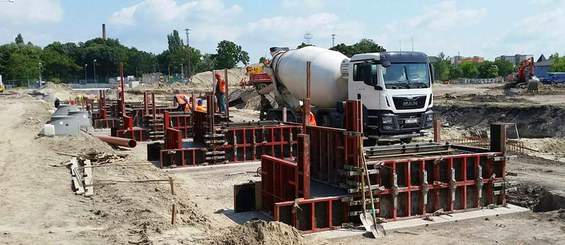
<point x="199" y="101"/>
<point x="217" y="75"/>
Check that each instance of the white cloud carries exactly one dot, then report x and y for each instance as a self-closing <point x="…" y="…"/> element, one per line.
<point x="291" y="29"/>
<point x="537" y="34"/>
<point x="31" y="12"/>
<point x="446" y="15"/>
<point x="543" y="2"/>
<point x="442" y="27"/>
<point x="163" y="12"/>
<point x="302" y="4"/>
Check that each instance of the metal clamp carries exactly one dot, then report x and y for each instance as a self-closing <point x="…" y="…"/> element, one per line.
<point x="395" y="190"/>
<point x="452" y="185"/>
<point x="480" y="182"/>
<point x="425" y="188"/>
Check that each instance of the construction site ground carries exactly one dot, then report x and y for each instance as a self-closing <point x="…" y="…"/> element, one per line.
<point x="37" y="205"/>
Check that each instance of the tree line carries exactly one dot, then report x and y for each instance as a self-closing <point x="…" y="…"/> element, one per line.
<point x="71" y="62"/>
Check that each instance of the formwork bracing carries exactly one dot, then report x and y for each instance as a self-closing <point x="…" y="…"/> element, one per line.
<point x="408" y="181"/>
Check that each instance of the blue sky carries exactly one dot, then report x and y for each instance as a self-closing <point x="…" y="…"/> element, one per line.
<point x="480" y="27"/>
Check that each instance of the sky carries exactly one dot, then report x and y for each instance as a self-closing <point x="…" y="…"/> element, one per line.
<point x="484" y="28"/>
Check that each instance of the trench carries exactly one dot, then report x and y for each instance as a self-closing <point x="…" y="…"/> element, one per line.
<point x="531" y="122"/>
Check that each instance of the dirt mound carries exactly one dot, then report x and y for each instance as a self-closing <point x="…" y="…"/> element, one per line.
<point x="532" y="122"/>
<point x="259" y="232"/>
<point x="52" y="91"/>
<point x="77" y="145"/>
<point x="200" y="82"/>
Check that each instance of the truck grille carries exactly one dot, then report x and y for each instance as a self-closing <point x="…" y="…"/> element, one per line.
<point x="416" y="102"/>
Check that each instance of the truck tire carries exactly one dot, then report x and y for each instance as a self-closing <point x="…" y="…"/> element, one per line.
<point x="406" y="140"/>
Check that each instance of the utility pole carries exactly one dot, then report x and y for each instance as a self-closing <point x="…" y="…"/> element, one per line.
<point x="333" y="40"/>
<point x="94" y="67"/>
<point x="187" y="55"/>
<point x="400" y="43"/>
<point x="85" y="77"/>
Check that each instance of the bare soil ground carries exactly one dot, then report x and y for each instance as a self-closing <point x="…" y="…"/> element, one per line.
<point x="37" y="205"/>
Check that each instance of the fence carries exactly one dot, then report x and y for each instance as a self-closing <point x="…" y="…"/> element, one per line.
<point x="478" y="80"/>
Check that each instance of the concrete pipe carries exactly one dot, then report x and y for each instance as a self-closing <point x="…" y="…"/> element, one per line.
<point x="118" y="141"/>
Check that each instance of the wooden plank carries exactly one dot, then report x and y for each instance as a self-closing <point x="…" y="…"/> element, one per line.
<point x="76" y="177"/>
<point x="88" y="179"/>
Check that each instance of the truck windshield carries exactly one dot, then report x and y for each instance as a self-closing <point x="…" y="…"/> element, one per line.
<point x="406" y="76"/>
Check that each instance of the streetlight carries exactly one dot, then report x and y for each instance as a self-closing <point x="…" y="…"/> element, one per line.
<point x="94" y="67"/>
<point x="40" y="73"/>
<point x="187" y="55"/>
<point x="85" y="77"/>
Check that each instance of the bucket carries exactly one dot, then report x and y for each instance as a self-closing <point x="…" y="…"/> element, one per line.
<point x="49" y="130"/>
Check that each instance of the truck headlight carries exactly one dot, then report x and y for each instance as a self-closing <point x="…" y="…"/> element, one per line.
<point x="389" y="122"/>
<point x="428" y="119"/>
<point x="388" y="119"/>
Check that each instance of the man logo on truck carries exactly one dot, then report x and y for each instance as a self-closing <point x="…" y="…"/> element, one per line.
<point x="410" y="103"/>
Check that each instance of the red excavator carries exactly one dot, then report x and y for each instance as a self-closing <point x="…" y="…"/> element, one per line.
<point x="525" y="76"/>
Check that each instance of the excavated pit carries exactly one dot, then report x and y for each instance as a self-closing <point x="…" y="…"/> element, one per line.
<point x="531" y="122"/>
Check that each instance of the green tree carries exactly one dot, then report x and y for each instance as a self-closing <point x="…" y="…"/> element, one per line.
<point x="441" y="67"/>
<point x="455" y="72"/>
<point x="206" y="63"/>
<point x="229" y="54"/>
<point x="19" y="39"/>
<point x="558" y="64"/>
<point x="488" y="69"/>
<point x="504" y="67"/>
<point x="364" y="46"/>
<point x="469" y="69"/>
<point x="302" y="45"/>
<point x="58" y="66"/>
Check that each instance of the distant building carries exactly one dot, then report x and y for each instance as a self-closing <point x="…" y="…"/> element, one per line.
<point x="476" y="59"/>
<point x="514" y="59"/>
<point x="541" y="67"/>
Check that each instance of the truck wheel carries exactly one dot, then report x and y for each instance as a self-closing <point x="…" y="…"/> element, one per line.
<point x="369" y="142"/>
<point x="406" y="140"/>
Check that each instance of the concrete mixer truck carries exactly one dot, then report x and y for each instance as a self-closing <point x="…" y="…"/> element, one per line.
<point x="394" y="87"/>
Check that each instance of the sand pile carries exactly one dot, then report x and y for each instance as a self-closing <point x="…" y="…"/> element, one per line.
<point x="204" y="79"/>
<point x="260" y="232"/>
<point x="53" y="91"/>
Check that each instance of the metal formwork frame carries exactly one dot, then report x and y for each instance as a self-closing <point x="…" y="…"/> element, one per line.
<point x="327" y="153"/>
<point x="181" y="121"/>
<point x="279" y="181"/>
<point x="249" y="143"/>
<point x="451" y="183"/>
<point x="312" y="215"/>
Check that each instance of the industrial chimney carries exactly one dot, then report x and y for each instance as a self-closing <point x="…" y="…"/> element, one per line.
<point x="103" y="31"/>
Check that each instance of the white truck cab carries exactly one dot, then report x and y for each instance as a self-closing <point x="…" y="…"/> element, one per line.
<point x="395" y="89"/>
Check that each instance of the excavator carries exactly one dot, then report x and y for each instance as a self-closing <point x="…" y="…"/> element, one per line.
<point x="525" y="77"/>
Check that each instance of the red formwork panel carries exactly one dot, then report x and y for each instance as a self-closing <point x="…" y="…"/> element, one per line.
<point x="451" y="183"/>
<point x="173" y="138"/>
<point x="181" y="121"/>
<point x="250" y="143"/>
<point x="138" y="134"/>
<point x="181" y="157"/>
<point x="327" y="154"/>
<point x="200" y="129"/>
<point x="107" y="123"/>
<point x="313" y="215"/>
<point x="279" y="181"/>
